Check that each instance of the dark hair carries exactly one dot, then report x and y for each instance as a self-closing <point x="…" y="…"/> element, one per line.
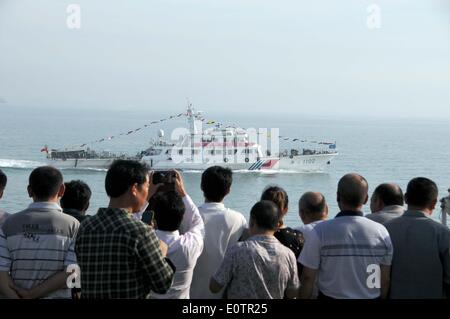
<point x="265" y="214"/>
<point x="216" y="183"/>
<point x="312" y="203"/>
<point x="122" y="174"/>
<point x="76" y="196"/>
<point x="45" y="182"/>
<point x="169" y="210"/>
<point x="352" y="189"/>
<point x="3" y="180"/>
<point x="277" y="195"/>
<point x="421" y="192"/>
<point x="389" y="194"/>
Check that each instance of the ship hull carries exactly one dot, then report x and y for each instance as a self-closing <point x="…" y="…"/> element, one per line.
<point x="81" y="163"/>
<point x="260" y="164"/>
<point x="306" y="163"/>
<point x="300" y="163"/>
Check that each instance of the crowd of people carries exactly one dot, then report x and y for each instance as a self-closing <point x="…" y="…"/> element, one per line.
<point x="153" y="241"/>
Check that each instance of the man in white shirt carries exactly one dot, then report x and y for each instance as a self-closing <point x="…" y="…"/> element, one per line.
<point x="3" y="180"/>
<point x="313" y="209"/>
<point x="351" y="254"/>
<point x="170" y="210"/>
<point x="223" y="228"/>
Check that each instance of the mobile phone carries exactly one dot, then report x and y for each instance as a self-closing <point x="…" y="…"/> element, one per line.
<point x="147" y="217"/>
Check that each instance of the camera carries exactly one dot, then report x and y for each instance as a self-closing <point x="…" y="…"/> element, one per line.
<point x="164" y="177"/>
<point x="167" y="178"/>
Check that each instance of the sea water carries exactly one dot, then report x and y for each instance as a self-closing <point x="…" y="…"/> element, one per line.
<point x="382" y="150"/>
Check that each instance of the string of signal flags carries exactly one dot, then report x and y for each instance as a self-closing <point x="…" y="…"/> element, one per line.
<point x="332" y="145"/>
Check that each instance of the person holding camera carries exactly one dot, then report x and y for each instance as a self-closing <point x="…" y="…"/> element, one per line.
<point x="121" y="257"/>
<point x="172" y="207"/>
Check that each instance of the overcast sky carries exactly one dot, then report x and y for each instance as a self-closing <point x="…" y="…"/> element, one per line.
<point x="307" y="57"/>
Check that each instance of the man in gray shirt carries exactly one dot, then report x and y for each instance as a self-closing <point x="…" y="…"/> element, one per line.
<point x="421" y="261"/>
<point x="386" y="203"/>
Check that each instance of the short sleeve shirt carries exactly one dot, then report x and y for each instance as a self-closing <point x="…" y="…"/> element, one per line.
<point x="345" y="251"/>
<point x="259" y="268"/>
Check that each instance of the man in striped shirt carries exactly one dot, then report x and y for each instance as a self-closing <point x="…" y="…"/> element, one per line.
<point x="37" y="244"/>
<point x="350" y="254"/>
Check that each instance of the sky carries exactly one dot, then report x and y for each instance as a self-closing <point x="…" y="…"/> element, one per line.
<point x="244" y="56"/>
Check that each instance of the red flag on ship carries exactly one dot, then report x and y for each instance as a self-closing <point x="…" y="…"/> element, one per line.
<point x="45" y="149"/>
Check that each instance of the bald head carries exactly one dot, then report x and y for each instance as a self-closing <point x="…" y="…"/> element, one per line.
<point x="352" y="191"/>
<point x="312" y="207"/>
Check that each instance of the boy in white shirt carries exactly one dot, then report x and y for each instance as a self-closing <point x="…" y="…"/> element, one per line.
<point x="223" y="228"/>
<point x="171" y="209"/>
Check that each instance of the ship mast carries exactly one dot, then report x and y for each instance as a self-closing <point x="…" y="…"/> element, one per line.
<point x="192" y="115"/>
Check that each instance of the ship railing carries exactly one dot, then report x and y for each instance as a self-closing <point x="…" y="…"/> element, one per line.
<point x="445" y="209"/>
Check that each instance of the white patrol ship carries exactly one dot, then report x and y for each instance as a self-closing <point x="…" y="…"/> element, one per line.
<point x="195" y="149"/>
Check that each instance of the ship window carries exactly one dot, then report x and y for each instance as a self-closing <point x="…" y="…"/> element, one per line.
<point x="167" y="152"/>
<point x="154" y="152"/>
<point x="180" y="152"/>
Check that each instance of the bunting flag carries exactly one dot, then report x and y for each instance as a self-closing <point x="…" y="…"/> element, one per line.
<point x="331" y="145"/>
<point x="130" y="131"/>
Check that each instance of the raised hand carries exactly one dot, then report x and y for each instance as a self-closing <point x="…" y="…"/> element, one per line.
<point x="179" y="184"/>
<point x="152" y="189"/>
